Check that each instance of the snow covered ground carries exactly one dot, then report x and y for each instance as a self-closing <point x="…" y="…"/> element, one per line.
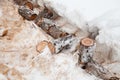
<point x="101" y="14"/>
<point x="18" y="49"/>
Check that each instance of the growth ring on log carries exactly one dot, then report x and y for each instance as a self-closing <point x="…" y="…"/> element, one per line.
<point x="87" y="42"/>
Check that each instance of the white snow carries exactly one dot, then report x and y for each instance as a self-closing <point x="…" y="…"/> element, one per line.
<point x="90" y="9"/>
<point x="2" y="77"/>
<point x="63" y="66"/>
<point x="0" y="12"/>
<point x="103" y="14"/>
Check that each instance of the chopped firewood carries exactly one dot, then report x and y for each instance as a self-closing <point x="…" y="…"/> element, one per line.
<point x="50" y="28"/>
<point x="64" y="43"/>
<point x="47" y="13"/>
<point x="42" y="19"/>
<point x="43" y="44"/>
<point x="86" y="51"/>
<point x="27" y="13"/>
<point x="55" y="32"/>
<point x="57" y="45"/>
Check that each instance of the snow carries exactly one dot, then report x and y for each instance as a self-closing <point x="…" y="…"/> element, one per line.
<point x="62" y="66"/>
<point x="2" y="77"/>
<point x="109" y="35"/>
<point x="0" y="12"/>
<point x="101" y="14"/>
<point x="90" y="9"/>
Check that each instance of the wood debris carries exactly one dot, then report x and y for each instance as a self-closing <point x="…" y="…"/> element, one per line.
<point x="63" y="40"/>
<point x="40" y="47"/>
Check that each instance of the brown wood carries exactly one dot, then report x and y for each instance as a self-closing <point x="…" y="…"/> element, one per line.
<point x="40" y="46"/>
<point x="87" y="42"/>
<point x="27" y="13"/>
<point x="29" y="5"/>
<point x="51" y="47"/>
<point x="86" y="51"/>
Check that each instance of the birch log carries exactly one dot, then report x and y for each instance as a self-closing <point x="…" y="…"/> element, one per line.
<point x="86" y="51"/>
<point x="27" y="13"/>
<point x="64" y="43"/>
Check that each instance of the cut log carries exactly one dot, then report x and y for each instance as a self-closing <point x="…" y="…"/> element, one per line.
<point x="64" y="43"/>
<point x="50" y="28"/>
<point x="40" y="47"/>
<point x="27" y="13"/>
<point x="86" y="51"/>
<point x="87" y="42"/>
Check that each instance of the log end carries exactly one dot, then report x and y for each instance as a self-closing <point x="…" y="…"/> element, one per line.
<point x="87" y="42"/>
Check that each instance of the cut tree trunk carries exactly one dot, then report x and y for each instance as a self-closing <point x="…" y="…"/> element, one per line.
<point x="86" y="51"/>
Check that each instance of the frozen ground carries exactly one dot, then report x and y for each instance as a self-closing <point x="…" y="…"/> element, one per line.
<point x="21" y="61"/>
